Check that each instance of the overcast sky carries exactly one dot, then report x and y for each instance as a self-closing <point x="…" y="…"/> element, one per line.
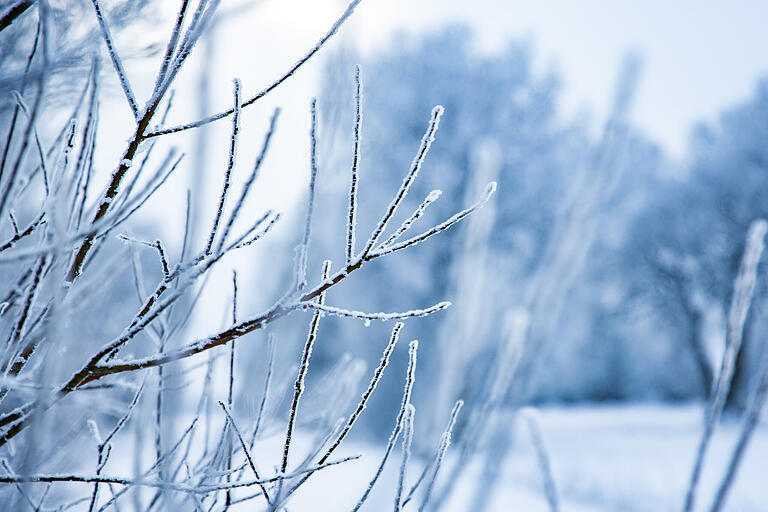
<point x="699" y="55"/>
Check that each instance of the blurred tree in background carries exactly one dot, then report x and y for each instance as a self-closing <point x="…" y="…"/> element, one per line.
<point x="643" y="313"/>
<point x="693" y="237"/>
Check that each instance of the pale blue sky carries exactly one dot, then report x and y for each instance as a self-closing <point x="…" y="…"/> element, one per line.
<point x="700" y="56"/>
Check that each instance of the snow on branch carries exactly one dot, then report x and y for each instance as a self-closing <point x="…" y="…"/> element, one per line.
<point x="407" y="223"/>
<point x="426" y="142"/>
<point x="352" y="211"/>
<point x="388" y="249"/>
<point x="116" y="61"/>
<point x="331" y="310"/>
<point x="295" y="67"/>
<point x="228" y="172"/>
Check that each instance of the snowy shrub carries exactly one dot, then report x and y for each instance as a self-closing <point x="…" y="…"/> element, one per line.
<point x="79" y="401"/>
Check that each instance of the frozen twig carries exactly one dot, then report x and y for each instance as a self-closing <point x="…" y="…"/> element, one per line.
<point x="743" y="289"/>
<point x="267" y="385"/>
<point x="445" y="443"/>
<point x="426" y="142"/>
<point x="416" y="215"/>
<point x="303" y="367"/>
<point x="170" y="48"/>
<point x="246" y="451"/>
<point x="407" y="441"/>
<point x="751" y="419"/>
<point x="171" y="486"/>
<point x="252" y="177"/>
<point x="334" y="28"/>
<point x="331" y="310"/>
<point x="227" y="173"/>
<point x="119" y="69"/>
<point x="448" y="429"/>
<point x="409" y="380"/>
<point x="531" y="418"/>
<point x="301" y="281"/>
<point x="361" y="405"/>
<point x="352" y="210"/>
<point x="394" y="247"/>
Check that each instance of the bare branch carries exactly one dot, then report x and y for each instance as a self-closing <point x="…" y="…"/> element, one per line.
<point x="352" y="211"/>
<point x="399" y="423"/>
<point x="388" y="249"/>
<point x="376" y="316"/>
<point x="334" y="28"/>
<point x="228" y="173"/>
<point x="124" y="83"/>
<point x="426" y="142"/>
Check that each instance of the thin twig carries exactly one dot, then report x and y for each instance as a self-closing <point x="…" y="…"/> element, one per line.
<point x="334" y="28"/>
<point x="426" y="142"/>
<point x="744" y="287"/>
<point x="246" y="450"/>
<point x="116" y="61"/>
<point x="228" y="173"/>
<point x="303" y="368"/>
<point x="352" y="210"/>
<point x="409" y="380"/>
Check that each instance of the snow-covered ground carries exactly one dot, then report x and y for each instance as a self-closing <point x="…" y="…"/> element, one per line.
<point x="609" y="458"/>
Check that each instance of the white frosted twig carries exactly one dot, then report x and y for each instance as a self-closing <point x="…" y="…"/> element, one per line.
<point x="230" y="392"/>
<point x="14" y="222"/>
<point x="407" y="223"/>
<point x="124" y="418"/>
<point x="170" y="48"/>
<point x="116" y="60"/>
<point x="448" y="429"/>
<point x="267" y="385"/>
<point x="409" y="380"/>
<point x="299" y="383"/>
<point x="185" y="435"/>
<point x="42" y="80"/>
<point x="334" y="28"/>
<point x="249" y="182"/>
<point x="389" y="249"/>
<point x="331" y="310"/>
<point x="352" y="211"/>
<point x="426" y="142"/>
<point x="244" y="446"/>
<point x="743" y="289"/>
<point x="200" y="20"/>
<point x="18" y="486"/>
<point x="242" y="242"/>
<point x="301" y="281"/>
<point x="531" y="417"/>
<point x="41" y="153"/>
<point x="751" y="419"/>
<point x="158" y="245"/>
<point x="228" y="173"/>
<point x="362" y="404"/>
<point x="445" y="443"/>
<point x="407" y="442"/>
<point x="202" y="489"/>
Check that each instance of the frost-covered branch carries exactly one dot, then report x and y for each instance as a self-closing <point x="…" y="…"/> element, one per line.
<point x="384" y="317"/>
<point x="743" y="290"/>
<point x="399" y="422"/>
<point x="334" y="28"/>
<point x="352" y="208"/>
<point x="426" y="142"/>
<point x="116" y="61"/>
